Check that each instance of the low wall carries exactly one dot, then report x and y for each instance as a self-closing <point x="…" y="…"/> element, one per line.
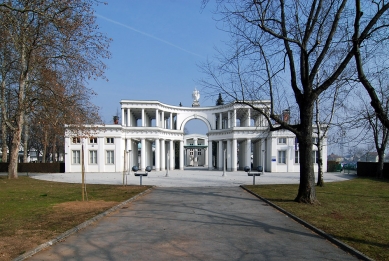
<point x="368" y="169"/>
<point x="57" y="167"/>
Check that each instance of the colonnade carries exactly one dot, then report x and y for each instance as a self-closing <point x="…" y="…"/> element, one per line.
<point x="162" y="157"/>
<point x="148" y="118"/>
<point x="236" y="153"/>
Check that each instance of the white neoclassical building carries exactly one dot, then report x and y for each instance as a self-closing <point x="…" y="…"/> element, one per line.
<point x="151" y="133"/>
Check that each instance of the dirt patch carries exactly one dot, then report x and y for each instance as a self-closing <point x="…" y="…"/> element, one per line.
<point x="63" y="217"/>
<point x="77" y="206"/>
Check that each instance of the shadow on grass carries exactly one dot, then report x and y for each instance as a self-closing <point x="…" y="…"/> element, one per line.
<point x="363" y="242"/>
<point x="274" y="200"/>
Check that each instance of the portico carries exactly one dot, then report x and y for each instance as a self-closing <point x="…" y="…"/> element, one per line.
<point x="151" y="133"/>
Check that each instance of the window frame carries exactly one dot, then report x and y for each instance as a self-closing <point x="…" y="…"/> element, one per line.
<point x="93" y="157"/>
<point x="76" y="140"/>
<point x="110" y="140"/>
<point x="296" y="157"/>
<point x="281" y="140"/>
<point x="280" y="157"/>
<point x="110" y="159"/>
<point x="315" y="156"/>
<point x="93" y="140"/>
<point x="76" y="159"/>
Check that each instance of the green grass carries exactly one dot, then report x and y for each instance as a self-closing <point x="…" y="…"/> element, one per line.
<point x="27" y="208"/>
<point x="355" y="212"/>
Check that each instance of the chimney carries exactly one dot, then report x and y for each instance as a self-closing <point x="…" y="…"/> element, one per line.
<point x="286" y="116"/>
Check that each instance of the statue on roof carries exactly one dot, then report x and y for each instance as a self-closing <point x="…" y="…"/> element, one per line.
<point x="196" y="97"/>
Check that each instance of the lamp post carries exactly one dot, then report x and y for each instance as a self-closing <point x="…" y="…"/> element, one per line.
<point x="263" y="161"/>
<point x="129" y="161"/>
<point x="168" y="164"/>
<point x="224" y="163"/>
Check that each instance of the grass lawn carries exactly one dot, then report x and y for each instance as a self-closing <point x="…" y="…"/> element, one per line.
<point x="35" y="211"/>
<point x="355" y="212"/>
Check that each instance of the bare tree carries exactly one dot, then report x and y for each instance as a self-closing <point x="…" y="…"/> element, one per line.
<point x="369" y="45"/>
<point x="57" y="35"/>
<point x="322" y="128"/>
<point x="277" y="48"/>
<point x="379" y="132"/>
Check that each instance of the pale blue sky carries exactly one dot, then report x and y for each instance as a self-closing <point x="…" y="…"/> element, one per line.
<point x="156" y="49"/>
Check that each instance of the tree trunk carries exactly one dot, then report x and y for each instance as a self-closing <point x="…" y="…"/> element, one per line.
<point x="307" y="191"/>
<point x="54" y="149"/>
<point x="25" y="141"/>
<point x="4" y="148"/>
<point x="44" y="147"/>
<point x="320" y="180"/>
<point x="380" y="165"/>
<point x="14" y="153"/>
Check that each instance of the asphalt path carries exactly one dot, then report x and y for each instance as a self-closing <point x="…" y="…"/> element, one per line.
<point x="203" y="223"/>
<point x="193" y="215"/>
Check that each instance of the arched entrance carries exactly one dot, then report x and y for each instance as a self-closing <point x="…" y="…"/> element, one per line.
<point x="195" y="143"/>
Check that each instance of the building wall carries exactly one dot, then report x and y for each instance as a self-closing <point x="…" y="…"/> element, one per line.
<point x="150" y="130"/>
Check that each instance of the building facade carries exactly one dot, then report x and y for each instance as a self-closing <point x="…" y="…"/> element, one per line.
<point x="152" y="134"/>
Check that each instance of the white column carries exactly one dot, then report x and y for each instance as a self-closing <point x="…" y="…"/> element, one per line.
<point x="171" y="155"/>
<point x="171" y="121"/>
<point x="234" y="149"/>
<point x="122" y="116"/>
<point x="220" y="155"/>
<point x="181" y="155"/>
<point x="234" y="119"/>
<point x="157" y="156"/>
<point x="143" y="155"/>
<point x="128" y="120"/>
<point x="156" y="118"/>
<point x="206" y="157"/>
<point x="210" y="163"/>
<point x="149" y="155"/>
<point x="229" y="152"/>
<point x="220" y="121"/>
<point x="163" y="153"/>
<point x="248" y="153"/>
<point x="248" y="118"/>
<point x="143" y="118"/>
<point x="163" y="120"/>
<point x="229" y="120"/>
<point x="128" y="144"/>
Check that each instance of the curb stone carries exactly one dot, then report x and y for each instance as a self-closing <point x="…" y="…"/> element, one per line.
<point x="83" y="225"/>
<point x="320" y="232"/>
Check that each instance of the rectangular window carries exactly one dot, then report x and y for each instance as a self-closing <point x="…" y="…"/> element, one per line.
<point x="315" y="156"/>
<point x="282" y="156"/>
<point x="199" y="153"/>
<point x="76" y="156"/>
<point x="76" y="140"/>
<point x="93" y="140"/>
<point x="296" y="157"/>
<point x="110" y="157"/>
<point x="93" y="157"/>
<point x="281" y="140"/>
<point x="110" y="140"/>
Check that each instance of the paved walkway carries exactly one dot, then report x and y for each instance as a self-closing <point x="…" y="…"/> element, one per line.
<point x="191" y="177"/>
<point x="194" y="215"/>
<point x="214" y="223"/>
